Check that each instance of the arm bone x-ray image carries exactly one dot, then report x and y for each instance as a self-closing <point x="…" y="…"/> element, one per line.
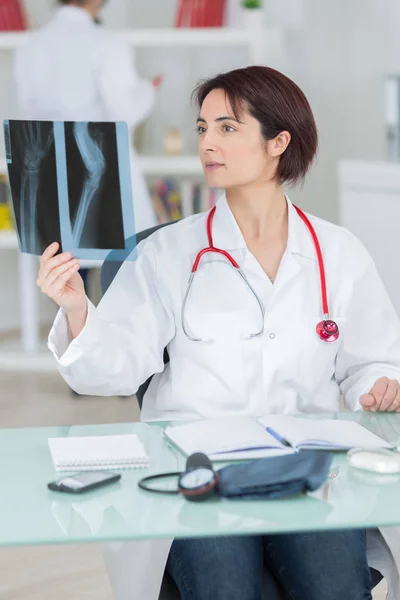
<point x="95" y="164"/>
<point x="70" y="183"/>
<point x="37" y="144"/>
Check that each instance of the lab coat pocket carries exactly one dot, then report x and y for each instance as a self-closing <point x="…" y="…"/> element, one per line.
<point x="218" y="362"/>
<point x="318" y="357"/>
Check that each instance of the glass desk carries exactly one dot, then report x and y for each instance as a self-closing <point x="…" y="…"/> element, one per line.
<point x="31" y="514"/>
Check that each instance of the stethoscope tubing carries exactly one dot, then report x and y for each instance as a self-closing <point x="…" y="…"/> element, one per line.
<point x="327" y="329"/>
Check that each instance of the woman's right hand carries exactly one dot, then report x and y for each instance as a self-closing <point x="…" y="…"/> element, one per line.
<point x="59" y="279"/>
<point x="157" y="81"/>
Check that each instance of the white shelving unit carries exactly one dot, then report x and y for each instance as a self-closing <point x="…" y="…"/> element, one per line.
<point x="153" y="166"/>
<point x="8" y="240"/>
<point x="170" y="166"/>
<point x="144" y="38"/>
<point x="262" y="44"/>
<point x="258" y="41"/>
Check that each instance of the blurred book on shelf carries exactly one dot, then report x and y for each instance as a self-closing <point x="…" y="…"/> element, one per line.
<point x="6" y="216"/>
<point x="12" y="16"/>
<point x="200" y="13"/>
<point x="204" y="198"/>
<point x="172" y="203"/>
<point x="166" y="200"/>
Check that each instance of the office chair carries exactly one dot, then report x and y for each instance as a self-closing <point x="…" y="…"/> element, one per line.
<point x="271" y="589"/>
<point x="108" y="272"/>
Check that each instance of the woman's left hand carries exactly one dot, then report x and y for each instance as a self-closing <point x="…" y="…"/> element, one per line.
<point x="384" y="396"/>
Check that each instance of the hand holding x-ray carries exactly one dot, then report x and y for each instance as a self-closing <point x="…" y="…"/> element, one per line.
<point x="59" y="279"/>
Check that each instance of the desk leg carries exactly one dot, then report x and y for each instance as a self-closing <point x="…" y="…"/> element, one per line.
<point x="28" y="302"/>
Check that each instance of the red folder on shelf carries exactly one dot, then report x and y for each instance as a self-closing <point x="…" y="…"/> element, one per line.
<point x="200" y="13"/>
<point x="12" y="17"/>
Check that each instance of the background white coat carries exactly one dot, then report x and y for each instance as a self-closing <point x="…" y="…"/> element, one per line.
<point x="74" y="70"/>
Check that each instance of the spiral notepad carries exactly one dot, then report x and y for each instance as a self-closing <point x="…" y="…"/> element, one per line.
<point x="97" y="452"/>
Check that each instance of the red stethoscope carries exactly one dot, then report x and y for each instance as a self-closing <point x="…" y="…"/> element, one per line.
<point x="327" y="329"/>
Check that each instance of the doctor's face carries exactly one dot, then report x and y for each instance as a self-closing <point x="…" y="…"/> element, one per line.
<point x="232" y="151"/>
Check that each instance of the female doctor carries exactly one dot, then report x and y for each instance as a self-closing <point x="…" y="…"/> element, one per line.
<point x="263" y="310"/>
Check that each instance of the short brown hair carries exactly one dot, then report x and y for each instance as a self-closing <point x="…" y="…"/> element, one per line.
<point x="279" y="105"/>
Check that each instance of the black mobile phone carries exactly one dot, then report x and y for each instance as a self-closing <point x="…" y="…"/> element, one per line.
<point x="83" y="481"/>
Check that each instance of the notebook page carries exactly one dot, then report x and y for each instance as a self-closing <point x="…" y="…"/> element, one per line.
<point x="249" y="454"/>
<point x="111" y="451"/>
<point x="221" y="435"/>
<point x="326" y="433"/>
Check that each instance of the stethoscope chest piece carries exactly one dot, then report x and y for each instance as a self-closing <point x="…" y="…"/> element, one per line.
<point x="328" y="330"/>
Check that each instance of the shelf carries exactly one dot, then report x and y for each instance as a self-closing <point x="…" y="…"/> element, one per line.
<point x="217" y="36"/>
<point x="154" y="165"/>
<point x="147" y="38"/>
<point x="11" y="40"/>
<point x="170" y="165"/>
<point x="8" y="240"/>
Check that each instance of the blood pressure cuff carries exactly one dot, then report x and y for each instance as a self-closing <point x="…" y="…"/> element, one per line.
<point x="275" y="477"/>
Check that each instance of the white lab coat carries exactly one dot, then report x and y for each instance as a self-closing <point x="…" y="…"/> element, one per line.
<point x="74" y="70"/>
<point x="286" y="370"/>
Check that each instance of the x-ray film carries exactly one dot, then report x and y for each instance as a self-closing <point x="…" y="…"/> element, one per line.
<point x="70" y="183"/>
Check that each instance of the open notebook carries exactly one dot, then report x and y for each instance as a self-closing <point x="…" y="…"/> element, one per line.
<point x="236" y="438"/>
<point x="97" y="452"/>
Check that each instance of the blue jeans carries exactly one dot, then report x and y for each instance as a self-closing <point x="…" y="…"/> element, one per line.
<point x="308" y="566"/>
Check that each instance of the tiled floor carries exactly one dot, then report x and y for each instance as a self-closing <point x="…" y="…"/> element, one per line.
<point x="62" y="572"/>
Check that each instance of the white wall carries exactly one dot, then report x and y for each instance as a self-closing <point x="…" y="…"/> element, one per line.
<point x="338" y="53"/>
<point x="339" y="59"/>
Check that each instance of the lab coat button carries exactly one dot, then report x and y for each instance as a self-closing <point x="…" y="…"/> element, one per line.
<point x="272" y="336"/>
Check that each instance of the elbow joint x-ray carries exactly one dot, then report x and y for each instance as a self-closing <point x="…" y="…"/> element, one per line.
<point x="70" y="183"/>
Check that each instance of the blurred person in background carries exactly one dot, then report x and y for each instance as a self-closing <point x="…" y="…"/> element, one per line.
<point x="74" y="70"/>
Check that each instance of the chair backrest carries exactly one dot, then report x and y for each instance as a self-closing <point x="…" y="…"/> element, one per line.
<point x="111" y="266"/>
<point x="108" y="272"/>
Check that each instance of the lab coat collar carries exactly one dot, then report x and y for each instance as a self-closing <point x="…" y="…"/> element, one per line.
<point x="227" y="234"/>
<point x="73" y="14"/>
